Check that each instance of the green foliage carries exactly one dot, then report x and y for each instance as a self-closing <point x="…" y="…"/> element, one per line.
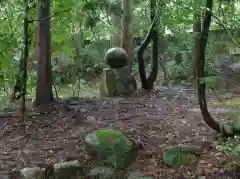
<point x="91" y="56"/>
<point x="178" y="73"/>
<point x="230" y="146"/>
<point x="31" y="83"/>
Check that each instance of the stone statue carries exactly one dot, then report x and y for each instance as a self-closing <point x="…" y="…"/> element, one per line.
<point x="117" y="80"/>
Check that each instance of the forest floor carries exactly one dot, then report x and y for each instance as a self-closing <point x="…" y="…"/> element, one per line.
<point x="158" y="119"/>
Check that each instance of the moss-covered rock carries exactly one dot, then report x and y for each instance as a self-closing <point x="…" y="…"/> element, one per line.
<point x="70" y="169"/>
<point x="102" y="173"/>
<point x="138" y="175"/>
<point x="110" y="147"/>
<point x="176" y="156"/>
<point x="116" y="57"/>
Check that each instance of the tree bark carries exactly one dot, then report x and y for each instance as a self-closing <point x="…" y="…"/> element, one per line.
<point x="116" y="34"/>
<point x="148" y="83"/>
<point x="23" y="66"/>
<point x="155" y="45"/>
<point x="127" y="28"/>
<point x="44" y="92"/>
<point x="197" y="27"/>
<point x="200" y="69"/>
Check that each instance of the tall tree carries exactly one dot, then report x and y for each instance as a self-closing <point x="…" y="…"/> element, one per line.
<point x="127" y="30"/>
<point x="116" y="22"/>
<point x="44" y="68"/>
<point x="148" y="83"/>
<point x="200" y="60"/>
<point x="197" y="26"/>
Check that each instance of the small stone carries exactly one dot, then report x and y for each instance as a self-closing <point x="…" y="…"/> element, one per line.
<point x="201" y="177"/>
<point x="102" y="173"/>
<point x="31" y="172"/>
<point x="210" y="165"/>
<point x="68" y="169"/>
<point x="90" y="118"/>
<point x="83" y="110"/>
<point x="200" y="171"/>
<point x="138" y="175"/>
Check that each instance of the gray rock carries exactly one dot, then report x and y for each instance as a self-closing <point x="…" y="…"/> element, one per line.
<point x="102" y="173"/>
<point x="31" y="173"/>
<point x="138" y="175"/>
<point x="68" y="169"/>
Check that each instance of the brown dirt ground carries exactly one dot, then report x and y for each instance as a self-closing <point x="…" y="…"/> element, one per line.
<point x="159" y="119"/>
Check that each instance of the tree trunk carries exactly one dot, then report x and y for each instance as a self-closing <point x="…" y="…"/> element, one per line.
<point x="44" y="92"/>
<point x="155" y="45"/>
<point x="148" y="83"/>
<point x="116" y="23"/>
<point x="200" y="60"/>
<point x="197" y="26"/>
<point x="23" y="66"/>
<point x="127" y="28"/>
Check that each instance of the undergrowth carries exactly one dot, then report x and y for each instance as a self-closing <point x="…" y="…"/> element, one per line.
<point x="231" y="147"/>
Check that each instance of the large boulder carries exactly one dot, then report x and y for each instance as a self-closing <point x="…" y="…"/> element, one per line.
<point x="110" y="147"/>
<point x="116" y="57"/>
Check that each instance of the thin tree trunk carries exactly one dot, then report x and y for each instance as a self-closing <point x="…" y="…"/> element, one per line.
<point x="155" y="44"/>
<point x="23" y="68"/>
<point x="127" y="28"/>
<point x="44" y="92"/>
<point x="148" y="83"/>
<point x="197" y="26"/>
<point x="200" y="60"/>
